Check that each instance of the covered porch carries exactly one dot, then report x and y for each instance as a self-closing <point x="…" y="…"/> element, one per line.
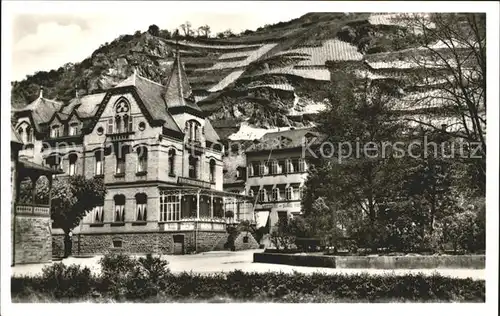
<point x="182" y="205"/>
<point x="31" y="227"/>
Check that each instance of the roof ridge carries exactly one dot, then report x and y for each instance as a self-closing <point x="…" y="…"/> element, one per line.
<point x="149" y="80"/>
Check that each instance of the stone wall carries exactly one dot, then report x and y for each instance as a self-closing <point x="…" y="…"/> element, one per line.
<point x="57" y="243"/>
<point x="379" y="262"/>
<point x="142" y="243"/>
<point x="33" y="239"/>
<point x="245" y="241"/>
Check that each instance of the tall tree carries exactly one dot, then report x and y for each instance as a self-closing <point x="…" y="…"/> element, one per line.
<point x="72" y="198"/>
<point x="154" y="30"/>
<point x="186" y="28"/>
<point x="358" y="176"/>
<point x="452" y="60"/>
<point x="204" y="30"/>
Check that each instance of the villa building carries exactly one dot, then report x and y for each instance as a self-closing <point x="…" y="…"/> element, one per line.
<point x="157" y="153"/>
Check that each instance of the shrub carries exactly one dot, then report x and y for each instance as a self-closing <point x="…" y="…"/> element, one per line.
<point x="149" y="277"/>
<point x="139" y="278"/>
<point x="66" y="281"/>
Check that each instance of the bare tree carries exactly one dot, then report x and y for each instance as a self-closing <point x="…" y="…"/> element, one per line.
<point x="186" y="28"/>
<point x="204" y="30"/>
<point x="452" y="60"/>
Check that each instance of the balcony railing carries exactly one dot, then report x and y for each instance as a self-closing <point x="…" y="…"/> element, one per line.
<point x="120" y="136"/>
<point x="194" y="145"/>
<point x="194" y="182"/>
<point x="37" y="210"/>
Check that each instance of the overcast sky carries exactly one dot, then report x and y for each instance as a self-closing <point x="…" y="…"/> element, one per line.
<point x="45" y="41"/>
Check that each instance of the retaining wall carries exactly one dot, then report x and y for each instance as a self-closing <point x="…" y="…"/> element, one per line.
<point x="380" y="262"/>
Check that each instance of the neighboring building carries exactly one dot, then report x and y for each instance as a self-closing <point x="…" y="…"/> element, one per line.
<point x="157" y="153"/>
<point x="30" y="217"/>
<point x="234" y="181"/>
<point x="276" y="172"/>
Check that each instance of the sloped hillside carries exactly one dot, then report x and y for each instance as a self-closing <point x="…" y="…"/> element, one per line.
<point x="273" y="77"/>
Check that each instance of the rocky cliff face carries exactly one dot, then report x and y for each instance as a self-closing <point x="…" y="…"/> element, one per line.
<point x="275" y="77"/>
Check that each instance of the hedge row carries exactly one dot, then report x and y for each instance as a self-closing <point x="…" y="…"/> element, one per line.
<point x="131" y="280"/>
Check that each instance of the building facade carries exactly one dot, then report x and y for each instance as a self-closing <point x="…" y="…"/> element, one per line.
<point x="277" y="167"/>
<point x="157" y="153"/>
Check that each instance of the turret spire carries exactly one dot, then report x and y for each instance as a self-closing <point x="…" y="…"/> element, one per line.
<point x="178" y="91"/>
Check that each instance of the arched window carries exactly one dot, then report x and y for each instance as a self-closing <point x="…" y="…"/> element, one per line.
<point x="289" y="193"/>
<point x="120" y="164"/>
<point x="99" y="163"/>
<point x="193" y="167"/>
<point x="123" y="121"/>
<point x="20" y="131"/>
<point x="73" y="129"/>
<point x="250" y="192"/>
<point x="262" y="195"/>
<point x="119" y="208"/>
<point x="212" y="170"/>
<point x="72" y="164"/>
<point x="141" y="202"/>
<point x="142" y="159"/>
<point x="54" y="161"/>
<point x="302" y="165"/>
<point x="276" y="194"/>
<point x="29" y="134"/>
<point x="274" y="167"/>
<point x="194" y="130"/>
<point x="55" y="131"/>
<point x="171" y="162"/>
<point x="98" y="216"/>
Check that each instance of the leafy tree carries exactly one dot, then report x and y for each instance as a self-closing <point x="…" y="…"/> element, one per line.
<point x="204" y="31"/>
<point x="186" y="28"/>
<point x="72" y="198"/>
<point x="154" y="30"/>
<point x="284" y="233"/>
<point x="357" y="177"/>
<point x="229" y="33"/>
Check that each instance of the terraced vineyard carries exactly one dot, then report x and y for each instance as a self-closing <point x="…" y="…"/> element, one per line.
<point x="276" y="76"/>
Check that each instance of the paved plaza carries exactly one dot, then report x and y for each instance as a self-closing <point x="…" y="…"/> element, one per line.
<point x="225" y="261"/>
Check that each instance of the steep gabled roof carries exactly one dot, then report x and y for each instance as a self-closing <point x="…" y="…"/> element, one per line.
<point x="41" y="110"/>
<point x="14" y="136"/>
<point x="178" y="92"/>
<point x="87" y="105"/>
<point x="151" y="95"/>
<point x="210" y="133"/>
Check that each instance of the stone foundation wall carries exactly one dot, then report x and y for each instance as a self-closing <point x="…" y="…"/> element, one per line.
<point x="33" y="239"/>
<point x="57" y="244"/>
<point x="142" y="243"/>
<point x="245" y="241"/>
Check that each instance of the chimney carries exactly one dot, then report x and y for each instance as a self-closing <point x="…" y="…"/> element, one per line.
<point x="41" y="92"/>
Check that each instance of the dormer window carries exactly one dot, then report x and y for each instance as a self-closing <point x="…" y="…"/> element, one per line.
<point x="26" y="134"/>
<point x="55" y="131"/>
<point x="123" y="120"/>
<point x="73" y="129"/>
